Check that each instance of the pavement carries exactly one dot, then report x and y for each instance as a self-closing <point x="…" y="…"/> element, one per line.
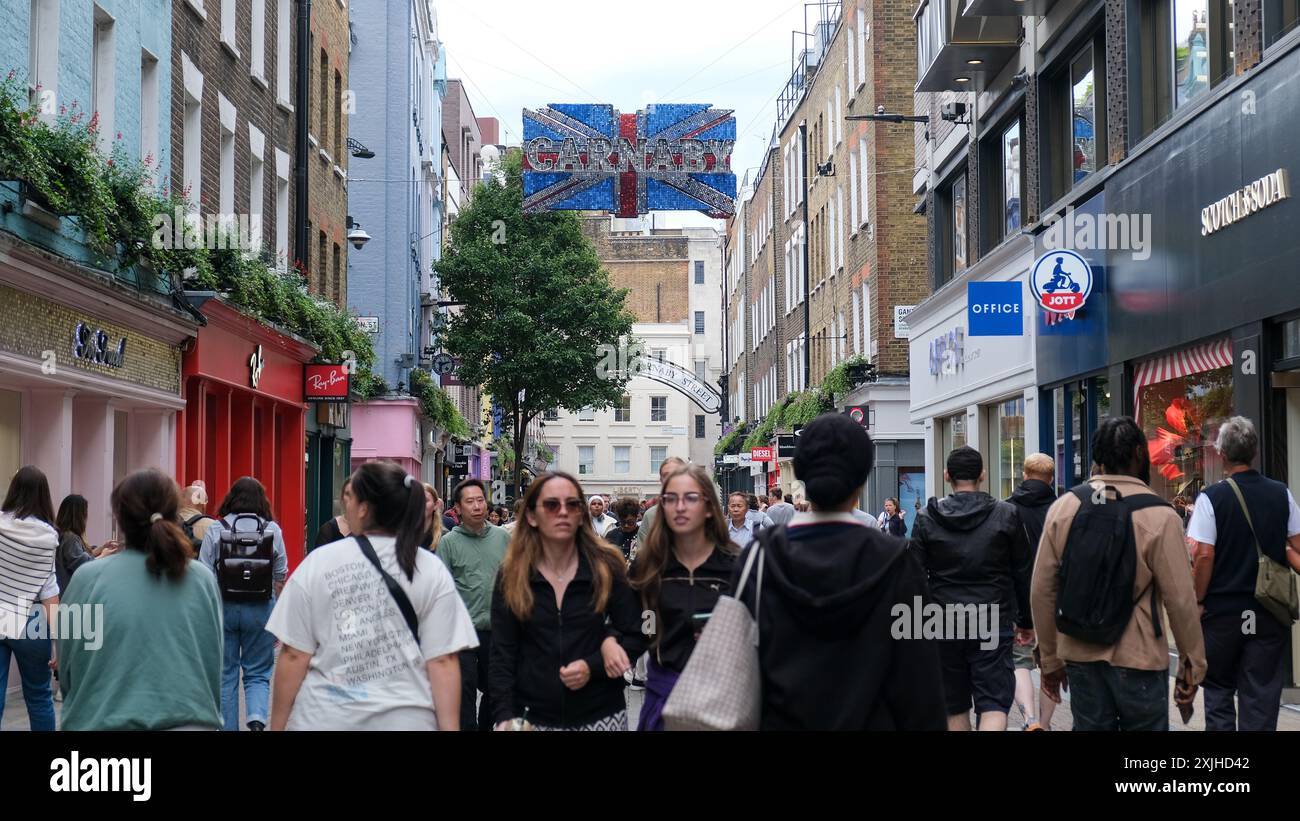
<point x="15" y="714"/>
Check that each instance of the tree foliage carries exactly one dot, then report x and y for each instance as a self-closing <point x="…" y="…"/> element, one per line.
<point x="539" y="312"/>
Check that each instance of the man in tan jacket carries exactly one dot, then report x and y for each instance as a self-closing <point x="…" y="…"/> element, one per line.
<point x="1125" y="685"/>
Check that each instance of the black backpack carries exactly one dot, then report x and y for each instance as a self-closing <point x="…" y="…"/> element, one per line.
<point x="188" y="527"/>
<point x="245" y="561"/>
<point x="1094" y="598"/>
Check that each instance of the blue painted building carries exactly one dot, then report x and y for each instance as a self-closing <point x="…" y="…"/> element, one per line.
<point x="90" y="356"/>
<point x="399" y="68"/>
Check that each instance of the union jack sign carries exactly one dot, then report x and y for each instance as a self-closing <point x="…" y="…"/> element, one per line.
<point x="673" y="157"/>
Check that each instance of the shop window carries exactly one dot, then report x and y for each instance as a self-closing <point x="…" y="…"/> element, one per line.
<point x="1077" y="409"/>
<point x="951" y="435"/>
<point x="1181" y="418"/>
<point x="1185" y="48"/>
<point x="1076" y="114"/>
<point x="1007" y="437"/>
<point x="1280" y="18"/>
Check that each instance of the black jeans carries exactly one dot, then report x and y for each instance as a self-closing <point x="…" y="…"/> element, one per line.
<point x="1248" y="666"/>
<point x="1105" y="697"/>
<point x="474" y="677"/>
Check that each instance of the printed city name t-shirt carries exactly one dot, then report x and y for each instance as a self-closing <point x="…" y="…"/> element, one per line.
<point x="366" y="671"/>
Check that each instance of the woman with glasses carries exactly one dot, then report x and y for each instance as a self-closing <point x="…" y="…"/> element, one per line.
<point x="684" y="564"/>
<point x="555" y="662"/>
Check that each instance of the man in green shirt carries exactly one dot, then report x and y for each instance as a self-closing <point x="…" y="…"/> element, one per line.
<point x="473" y="552"/>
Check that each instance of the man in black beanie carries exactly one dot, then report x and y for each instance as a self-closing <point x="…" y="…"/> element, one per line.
<point x="979" y="563"/>
<point x="830" y="586"/>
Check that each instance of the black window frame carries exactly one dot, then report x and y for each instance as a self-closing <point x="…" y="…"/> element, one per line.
<point x="993" y="181"/>
<point x="699" y="323"/>
<point x="699" y="426"/>
<point x="1281" y="17"/>
<point x="945" y="269"/>
<point x="1154" y="100"/>
<point x="1056" y="132"/>
<point x="699" y="272"/>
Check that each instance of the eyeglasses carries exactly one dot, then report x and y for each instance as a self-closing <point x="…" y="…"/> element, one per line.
<point x="552" y="506"/>
<point x="671" y="499"/>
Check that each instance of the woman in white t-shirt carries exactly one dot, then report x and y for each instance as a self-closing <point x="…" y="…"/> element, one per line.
<point x="350" y="658"/>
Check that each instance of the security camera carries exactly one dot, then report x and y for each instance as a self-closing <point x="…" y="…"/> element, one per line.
<point x="880" y="109"/>
<point x="357" y="236"/>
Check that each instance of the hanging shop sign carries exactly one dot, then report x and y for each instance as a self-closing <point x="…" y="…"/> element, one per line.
<point x="994" y="309"/>
<point x="683" y="380"/>
<point x="674" y="157"/>
<point x="1061" y="281"/>
<point x="731" y="458"/>
<point x="761" y="454"/>
<point x="94" y="346"/>
<point x="256" y="364"/>
<point x="1258" y="195"/>
<point x="326" y="383"/>
<point x="785" y="446"/>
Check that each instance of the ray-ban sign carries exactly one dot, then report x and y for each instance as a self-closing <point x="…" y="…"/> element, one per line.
<point x="326" y="383"/>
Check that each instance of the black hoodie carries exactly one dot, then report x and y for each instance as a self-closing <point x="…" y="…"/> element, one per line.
<point x="1032" y="499"/>
<point x="828" y="658"/>
<point x="975" y="552"/>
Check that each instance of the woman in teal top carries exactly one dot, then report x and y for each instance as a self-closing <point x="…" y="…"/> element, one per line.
<point x="159" y="668"/>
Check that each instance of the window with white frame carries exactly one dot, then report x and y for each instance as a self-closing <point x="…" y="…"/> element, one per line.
<point x="658" y="409"/>
<point x="863" y="179"/>
<point x="658" y="453"/>
<point x="622" y="459"/>
<point x="282" y="49"/>
<point x="257" y="30"/>
<point x="149" y="100"/>
<point x="623" y="409"/>
<point x="839" y="116"/>
<point x="863" y="33"/>
<point x="865" y="345"/>
<point x="43" y="57"/>
<point x="226" y="189"/>
<point x="587" y="414"/>
<point x="853" y="315"/>
<point x="586" y="460"/>
<point x="853" y="192"/>
<point x="282" y="209"/>
<point x="840" y="239"/>
<point x="851" y="62"/>
<point x="228" y="25"/>
<point x="192" y="133"/>
<point x="103" y="86"/>
<point x="256" y="185"/>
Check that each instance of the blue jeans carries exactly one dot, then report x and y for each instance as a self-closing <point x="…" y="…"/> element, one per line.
<point x="247" y="646"/>
<point x="1109" y="698"/>
<point x="34" y="668"/>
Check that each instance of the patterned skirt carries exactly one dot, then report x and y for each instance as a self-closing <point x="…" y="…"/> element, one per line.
<point x="616" y="722"/>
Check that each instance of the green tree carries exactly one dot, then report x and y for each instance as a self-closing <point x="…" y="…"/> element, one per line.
<point x="539" y="315"/>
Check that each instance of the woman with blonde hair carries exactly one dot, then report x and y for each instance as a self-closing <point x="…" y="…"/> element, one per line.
<point x="554" y="661"/>
<point x="683" y="565"/>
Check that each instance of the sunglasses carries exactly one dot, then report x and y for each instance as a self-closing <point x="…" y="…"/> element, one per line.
<point x="553" y="505"/>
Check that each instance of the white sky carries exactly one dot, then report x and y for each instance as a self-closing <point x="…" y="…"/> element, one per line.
<point x="516" y="54"/>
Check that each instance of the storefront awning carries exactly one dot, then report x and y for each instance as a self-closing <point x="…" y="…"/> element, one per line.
<point x="1195" y="359"/>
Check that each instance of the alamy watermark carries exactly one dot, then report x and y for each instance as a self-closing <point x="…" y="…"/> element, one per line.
<point x="1085" y="231"/>
<point x="215" y="232"/>
<point x="946" y="621"/>
<point x="72" y="622"/>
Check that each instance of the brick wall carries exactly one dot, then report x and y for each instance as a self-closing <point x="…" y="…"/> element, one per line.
<point x="327" y="187"/>
<point x="31" y="325"/>
<point x="654" y="269"/>
<point x="228" y="75"/>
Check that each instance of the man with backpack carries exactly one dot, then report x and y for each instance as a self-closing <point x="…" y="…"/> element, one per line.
<point x="1238" y="524"/>
<point x="1111" y="555"/>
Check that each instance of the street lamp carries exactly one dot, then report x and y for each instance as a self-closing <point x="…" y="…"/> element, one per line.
<point x="883" y="116"/>
<point x="358" y="150"/>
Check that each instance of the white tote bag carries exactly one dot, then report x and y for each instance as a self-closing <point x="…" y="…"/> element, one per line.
<point x="721" y="687"/>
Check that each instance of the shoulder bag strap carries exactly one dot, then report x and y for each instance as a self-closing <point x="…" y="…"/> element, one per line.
<point x="399" y="595"/>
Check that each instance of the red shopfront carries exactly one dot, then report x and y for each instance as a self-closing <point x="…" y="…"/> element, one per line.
<point x="245" y="415"/>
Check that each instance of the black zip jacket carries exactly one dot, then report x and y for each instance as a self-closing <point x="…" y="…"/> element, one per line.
<point x="827" y="650"/>
<point x="1032" y="499"/>
<point x="975" y="551"/>
<point x="682" y="595"/>
<point x="622" y="539"/>
<point x="526" y="656"/>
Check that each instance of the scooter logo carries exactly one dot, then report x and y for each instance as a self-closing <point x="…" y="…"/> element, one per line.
<point x="1062" y="281"/>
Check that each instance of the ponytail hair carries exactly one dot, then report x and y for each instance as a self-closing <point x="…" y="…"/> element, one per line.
<point x="146" y="504"/>
<point x="396" y="501"/>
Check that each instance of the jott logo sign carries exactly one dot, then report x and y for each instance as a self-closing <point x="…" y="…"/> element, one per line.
<point x="326" y="383"/>
<point x="1062" y="281"/>
<point x="590" y="157"/>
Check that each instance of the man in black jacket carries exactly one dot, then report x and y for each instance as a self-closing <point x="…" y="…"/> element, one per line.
<point x="1032" y="499"/>
<point x="831" y="588"/>
<point x="978" y="561"/>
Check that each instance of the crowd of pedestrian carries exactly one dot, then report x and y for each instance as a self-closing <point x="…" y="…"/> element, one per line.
<point x="409" y="614"/>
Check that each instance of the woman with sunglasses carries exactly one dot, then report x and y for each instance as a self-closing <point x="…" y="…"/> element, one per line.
<point x="555" y="663"/>
<point x="684" y="564"/>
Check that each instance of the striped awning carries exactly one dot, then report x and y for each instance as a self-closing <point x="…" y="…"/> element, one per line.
<point x="1185" y="362"/>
